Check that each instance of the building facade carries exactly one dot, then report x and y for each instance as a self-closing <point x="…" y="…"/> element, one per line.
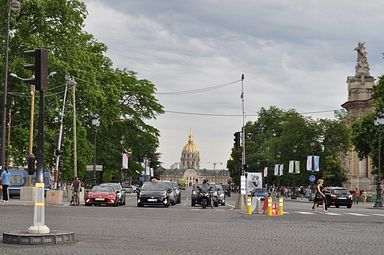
<point x="189" y="168"/>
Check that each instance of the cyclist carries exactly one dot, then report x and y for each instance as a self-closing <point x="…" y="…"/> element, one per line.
<point x="76" y="188"/>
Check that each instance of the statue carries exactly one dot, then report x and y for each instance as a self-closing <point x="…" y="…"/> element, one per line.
<point x="362" y="67"/>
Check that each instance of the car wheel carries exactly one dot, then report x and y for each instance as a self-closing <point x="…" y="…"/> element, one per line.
<point x="87" y="204"/>
<point x="337" y="206"/>
<point x="223" y="203"/>
<point x="215" y="204"/>
<point x="179" y="199"/>
<point x="349" y="206"/>
<point x="193" y="202"/>
<point x="140" y="205"/>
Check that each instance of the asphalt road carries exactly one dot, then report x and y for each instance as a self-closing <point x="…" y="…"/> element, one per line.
<point x="183" y="229"/>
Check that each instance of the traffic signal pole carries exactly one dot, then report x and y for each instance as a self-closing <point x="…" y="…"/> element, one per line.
<point x="243" y="128"/>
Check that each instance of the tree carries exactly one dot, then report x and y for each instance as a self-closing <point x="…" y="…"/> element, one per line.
<point x="123" y="101"/>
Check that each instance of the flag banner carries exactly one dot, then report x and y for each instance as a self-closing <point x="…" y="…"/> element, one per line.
<point x="316" y="165"/>
<point x="243" y="180"/>
<point x="124" y="164"/>
<point x="265" y="171"/>
<point x="281" y="167"/>
<point x="151" y="171"/>
<point x="276" y="169"/>
<point x="297" y="167"/>
<point x="291" y="166"/>
<point x="309" y="163"/>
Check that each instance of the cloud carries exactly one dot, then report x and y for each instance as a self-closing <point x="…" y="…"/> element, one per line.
<point x="294" y="54"/>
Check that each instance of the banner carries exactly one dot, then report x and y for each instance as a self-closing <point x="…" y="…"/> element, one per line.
<point x="297" y="167"/>
<point x="309" y="163"/>
<point x="316" y="165"/>
<point x="291" y="166"/>
<point x="254" y="181"/>
<point x="281" y="167"/>
<point x="276" y="173"/>
<point x="242" y="185"/>
<point x="124" y="163"/>
<point x="265" y="171"/>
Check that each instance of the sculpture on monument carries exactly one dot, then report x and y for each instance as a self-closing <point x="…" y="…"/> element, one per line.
<point x="362" y="67"/>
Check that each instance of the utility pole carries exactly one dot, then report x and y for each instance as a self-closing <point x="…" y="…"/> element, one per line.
<point x="58" y="151"/>
<point x="243" y="128"/>
<point x="74" y="128"/>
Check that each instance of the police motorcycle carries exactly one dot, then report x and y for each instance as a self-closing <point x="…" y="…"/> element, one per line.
<point x="206" y="196"/>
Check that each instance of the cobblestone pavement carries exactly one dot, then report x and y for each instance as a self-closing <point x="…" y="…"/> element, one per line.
<point x="182" y="229"/>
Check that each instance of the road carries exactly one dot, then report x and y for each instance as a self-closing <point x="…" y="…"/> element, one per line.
<point x="183" y="229"/>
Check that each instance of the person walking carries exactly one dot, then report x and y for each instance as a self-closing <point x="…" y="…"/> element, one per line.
<point x="76" y="189"/>
<point x="357" y="196"/>
<point x="320" y="196"/>
<point x="5" y="182"/>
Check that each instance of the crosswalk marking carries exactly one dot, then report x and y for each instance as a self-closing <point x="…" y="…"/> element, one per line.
<point x="358" y="214"/>
<point x="331" y="213"/>
<point x="376" y="214"/>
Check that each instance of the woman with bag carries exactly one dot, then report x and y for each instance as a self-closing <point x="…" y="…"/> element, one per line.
<point x="320" y="196"/>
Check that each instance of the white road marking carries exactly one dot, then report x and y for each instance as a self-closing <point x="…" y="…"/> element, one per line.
<point x="331" y="213"/>
<point x="357" y="214"/>
<point x="376" y="214"/>
<point x="306" y="213"/>
<point x="230" y="205"/>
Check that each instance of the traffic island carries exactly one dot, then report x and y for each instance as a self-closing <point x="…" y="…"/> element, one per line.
<point x="38" y="239"/>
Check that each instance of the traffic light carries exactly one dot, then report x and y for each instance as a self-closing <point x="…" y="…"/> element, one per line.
<point x="31" y="164"/>
<point x="236" y="140"/>
<point x="39" y="68"/>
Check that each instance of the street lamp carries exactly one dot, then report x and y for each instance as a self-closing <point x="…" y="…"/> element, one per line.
<point x="12" y="5"/>
<point x="122" y="142"/>
<point x="379" y="122"/>
<point x="95" y="124"/>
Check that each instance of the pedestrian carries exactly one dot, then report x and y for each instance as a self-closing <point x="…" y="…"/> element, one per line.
<point x="320" y="196"/>
<point x="357" y="196"/>
<point x="364" y="196"/>
<point x="5" y="182"/>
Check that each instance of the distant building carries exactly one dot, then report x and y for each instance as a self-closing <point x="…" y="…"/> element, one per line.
<point x="189" y="168"/>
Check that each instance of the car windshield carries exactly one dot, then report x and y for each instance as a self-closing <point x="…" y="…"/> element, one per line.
<point x="102" y="189"/>
<point x="259" y="191"/>
<point x="340" y="191"/>
<point x="116" y="186"/>
<point x="153" y="186"/>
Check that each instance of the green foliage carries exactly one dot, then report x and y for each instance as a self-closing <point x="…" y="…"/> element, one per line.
<point x="123" y="101"/>
<point x="278" y="136"/>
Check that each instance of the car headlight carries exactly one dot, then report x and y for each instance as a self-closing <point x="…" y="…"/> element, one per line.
<point x="221" y="195"/>
<point x="194" y="192"/>
<point x="215" y="193"/>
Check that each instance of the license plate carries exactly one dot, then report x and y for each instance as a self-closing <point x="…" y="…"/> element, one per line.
<point x="99" y="199"/>
<point x="152" y="199"/>
<point x="342" y="198"/>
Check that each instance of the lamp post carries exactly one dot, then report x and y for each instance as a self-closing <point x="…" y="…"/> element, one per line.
<point x="95" y="124"/>
<point x="122" y="142"/>
<point x="294" y="150"/>
<point x="12" y="5"/>
<point x="379" y="122"/>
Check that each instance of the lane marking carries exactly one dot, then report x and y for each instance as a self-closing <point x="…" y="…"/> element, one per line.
<point x="230" y="205"/>
<point x="358" y="214"/>
<point x="331" y="213"/>
<point x="307" y="213"/>
<point x="376" y="214"/>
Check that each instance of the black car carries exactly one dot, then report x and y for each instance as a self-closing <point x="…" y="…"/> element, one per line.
<point x="156" y="193"/>
<point x="338" y="196"/>
<point x="119" y="191"/>
<point x="176" y="190"/>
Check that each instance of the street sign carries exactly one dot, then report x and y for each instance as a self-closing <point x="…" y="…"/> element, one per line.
<point x="89" y="168"/>
<point x="312" y="178"/>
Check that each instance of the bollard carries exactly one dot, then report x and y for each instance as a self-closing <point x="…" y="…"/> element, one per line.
<point x="281" y="206"/>
<point x="249" y="205"/>
<point x="269" y="209"/>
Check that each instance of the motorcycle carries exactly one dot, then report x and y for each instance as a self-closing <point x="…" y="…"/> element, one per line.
<point x="206" y="198"/>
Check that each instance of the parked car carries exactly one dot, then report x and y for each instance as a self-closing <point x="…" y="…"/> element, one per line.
<point x="338" y="196"/>
<point x="118" y="189"/>
<point x="156" y="193"/>
<point x="19" y="177"/>
<point x="102" y="195"/>
<point x="260" y="193"/>
<point x="220" y="194"/>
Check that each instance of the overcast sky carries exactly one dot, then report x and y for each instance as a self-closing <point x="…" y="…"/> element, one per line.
<point x="295" y="54"/>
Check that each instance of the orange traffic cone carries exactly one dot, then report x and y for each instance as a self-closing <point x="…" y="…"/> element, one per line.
<point x="274" y="211"/>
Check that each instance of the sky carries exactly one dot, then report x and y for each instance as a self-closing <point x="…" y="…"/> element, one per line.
<point x="294" y="54"/>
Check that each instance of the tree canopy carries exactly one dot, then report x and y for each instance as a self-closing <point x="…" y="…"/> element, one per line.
<point x="123" y="101"/>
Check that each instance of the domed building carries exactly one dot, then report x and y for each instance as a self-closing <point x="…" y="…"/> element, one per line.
<point x="189" y="168"/>
<point x="190" y="155"/>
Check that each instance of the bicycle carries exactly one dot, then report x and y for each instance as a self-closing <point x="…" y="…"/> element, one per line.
<point x="75" y="198"/>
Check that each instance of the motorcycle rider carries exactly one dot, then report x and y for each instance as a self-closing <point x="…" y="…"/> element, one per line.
<point x="205" y="186"/>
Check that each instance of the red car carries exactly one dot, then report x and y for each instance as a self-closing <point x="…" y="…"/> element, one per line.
<point x="102" y="195"/>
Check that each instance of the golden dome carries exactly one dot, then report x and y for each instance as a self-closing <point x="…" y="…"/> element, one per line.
<point x="190" y="147"/>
